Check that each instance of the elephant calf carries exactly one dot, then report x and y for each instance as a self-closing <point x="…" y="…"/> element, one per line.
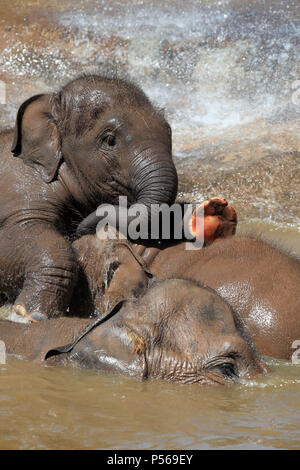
<point x="168" y="313"/>
<point x="89" y="143"/>
<point x="177" y="331"/>
<point x="258" y="280"/>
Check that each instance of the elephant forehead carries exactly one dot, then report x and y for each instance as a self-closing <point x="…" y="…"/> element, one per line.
<point x="181" y="309"/>
<point x="188" y="299"/>
<point x="95" y="90"/>
<point x="210" y="309"/>
<point x="95" y="99"/>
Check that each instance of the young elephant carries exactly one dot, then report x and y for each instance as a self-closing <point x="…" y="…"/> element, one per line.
<point x="93" y="141"/>
<point x="176" y="331"/>
<point x="258" y="280"/>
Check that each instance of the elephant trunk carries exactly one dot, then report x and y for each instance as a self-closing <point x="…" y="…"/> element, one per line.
<point x="154" y="182"/>
<point x="156" y="179"/>
<point x="157" y="184"/>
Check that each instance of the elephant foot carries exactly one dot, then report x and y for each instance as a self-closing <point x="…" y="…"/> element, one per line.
<point x="220" y="220"/>
<point x="34" y="317"/>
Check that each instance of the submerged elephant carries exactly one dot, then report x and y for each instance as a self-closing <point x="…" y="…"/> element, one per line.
<point x="177" y="331"/>
<point x="93" y="141"/>
<point x="258" y="280"/>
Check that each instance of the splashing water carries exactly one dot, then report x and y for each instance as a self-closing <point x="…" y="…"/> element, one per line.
<point x="212" y="64"/>
<point x="226" y="72"/>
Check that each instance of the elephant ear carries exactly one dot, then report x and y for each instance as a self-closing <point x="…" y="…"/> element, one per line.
<point x="36" y="139"/>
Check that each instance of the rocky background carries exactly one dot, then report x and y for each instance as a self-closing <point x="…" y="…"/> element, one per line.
<point x="227" y="74"/>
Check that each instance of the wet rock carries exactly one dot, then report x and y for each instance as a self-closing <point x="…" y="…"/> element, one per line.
<point x="264" y="187"/>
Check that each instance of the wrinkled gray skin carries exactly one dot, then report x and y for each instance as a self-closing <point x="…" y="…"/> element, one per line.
<point x="258" y="280"/>
<point x="176" y="331"/>
<point x="93" y="141"/>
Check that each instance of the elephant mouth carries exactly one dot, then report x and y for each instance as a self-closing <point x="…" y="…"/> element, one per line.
<point x="121" y="188"/>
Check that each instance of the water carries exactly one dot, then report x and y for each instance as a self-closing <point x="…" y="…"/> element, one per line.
<point x="211" y="64"/>
<point x="62" y="408"/>
<point x="228" y="75"/>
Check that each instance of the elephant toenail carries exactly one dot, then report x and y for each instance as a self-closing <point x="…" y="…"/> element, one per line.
<point x="38" y="316"/>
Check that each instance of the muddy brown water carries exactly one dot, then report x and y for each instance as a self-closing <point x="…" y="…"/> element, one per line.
<point x="46" y="408"/>
<point x="227" y="74"/>
<point x="43" y="407"/>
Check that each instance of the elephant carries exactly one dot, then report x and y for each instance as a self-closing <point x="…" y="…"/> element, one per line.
<point x="96" y="139"/>
<point x="175" y="331"/>
<point x="258" y="279"/>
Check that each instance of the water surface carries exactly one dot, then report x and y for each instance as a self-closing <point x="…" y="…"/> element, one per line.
<point x="46" y="408"/>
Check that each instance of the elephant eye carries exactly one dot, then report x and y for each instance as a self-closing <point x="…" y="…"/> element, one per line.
<point x="108" y="138"/>
<point x="226" y="369"/>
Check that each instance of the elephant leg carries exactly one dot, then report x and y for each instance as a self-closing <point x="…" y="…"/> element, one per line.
<point x="220" y="219"/>
<point x="38" y="267"/>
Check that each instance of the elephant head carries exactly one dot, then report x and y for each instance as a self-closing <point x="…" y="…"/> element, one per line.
<point x="178" y="331"/>
<point x="101" y="138"/>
